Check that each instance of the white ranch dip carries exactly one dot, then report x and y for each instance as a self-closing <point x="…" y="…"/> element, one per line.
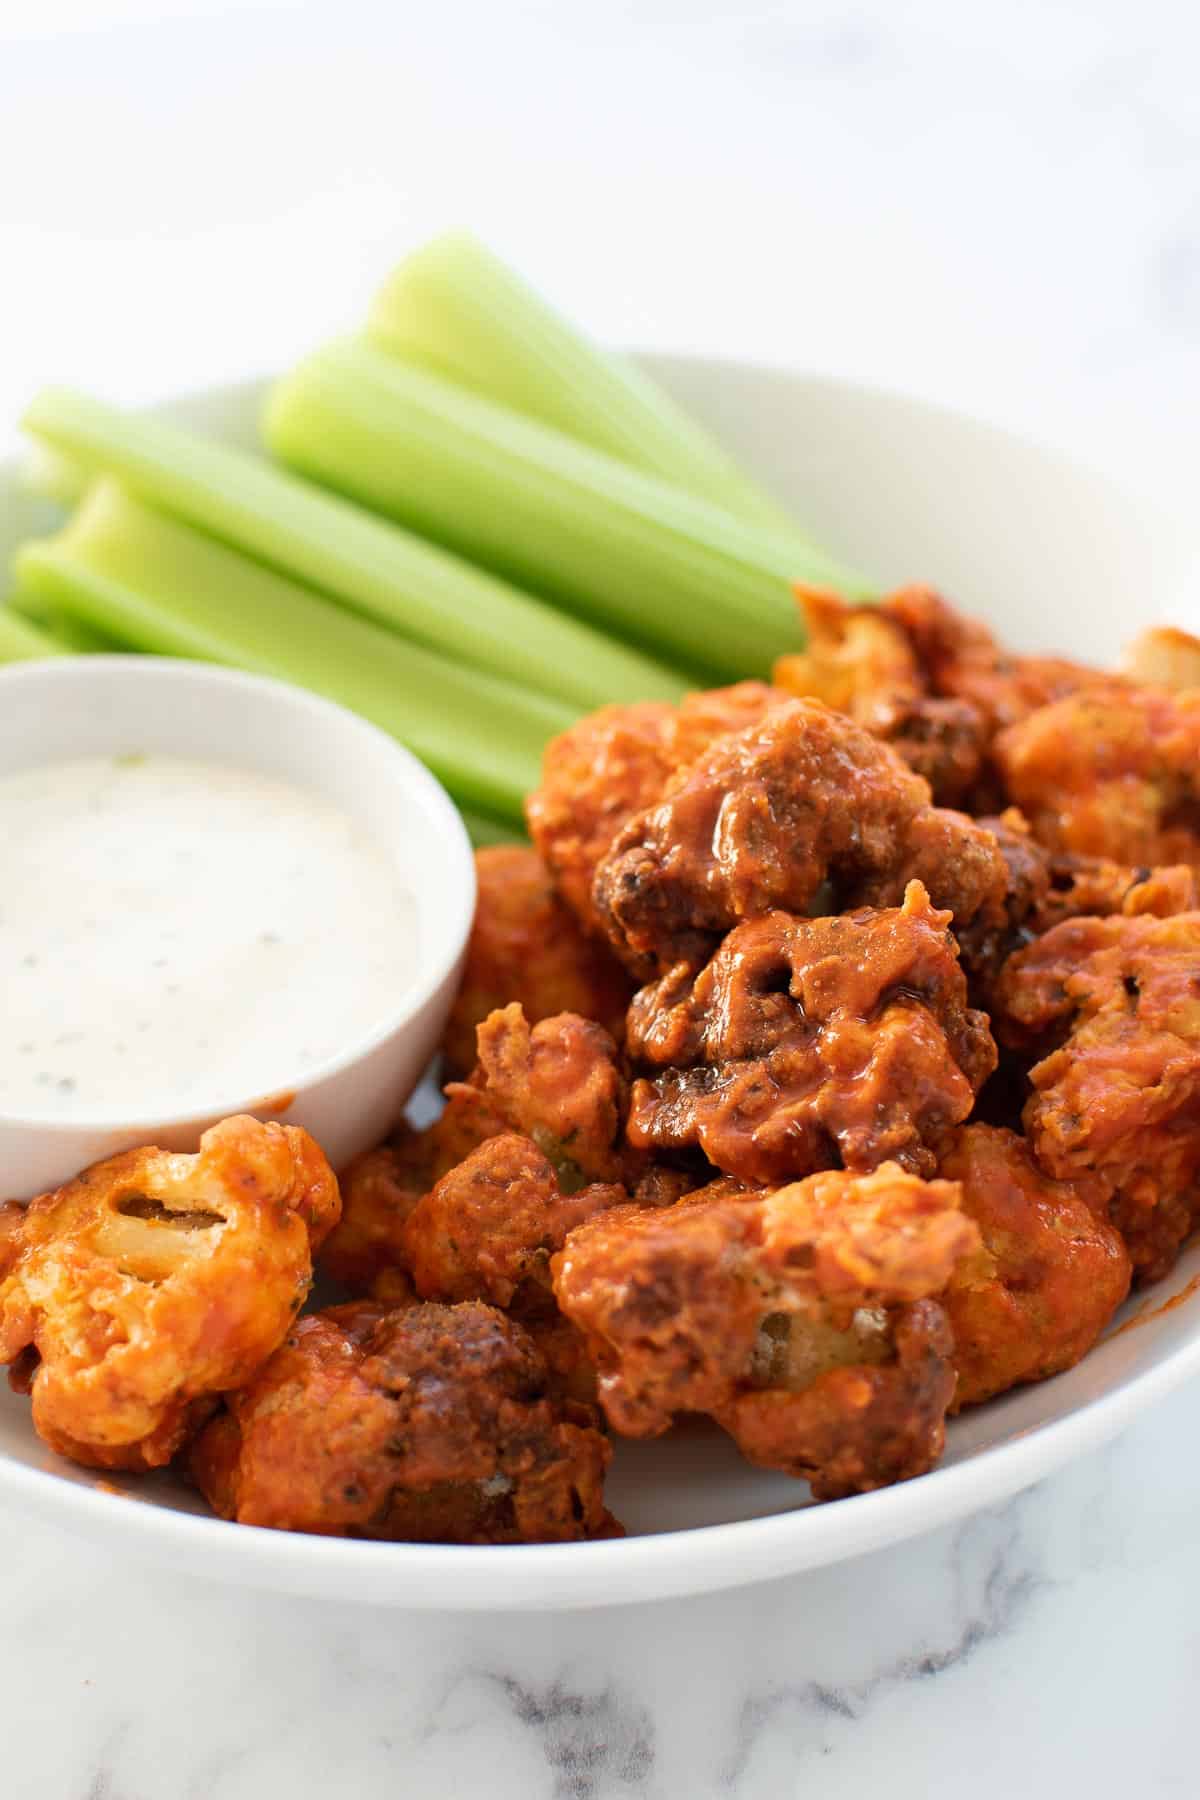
<point x="176" y="936"/>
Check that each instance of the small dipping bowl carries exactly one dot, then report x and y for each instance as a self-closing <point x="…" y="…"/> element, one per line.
<point x="120" y="705"/>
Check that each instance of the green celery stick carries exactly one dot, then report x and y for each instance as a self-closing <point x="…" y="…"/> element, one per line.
<point x="483" y="831"/>
<point x="453" y="306"/>
<point x="623" y="548"/>
<point x="373" y="567"/>
<point x="21" y="641"/>
<point x="120" y="567"/>
<point x="55" y="476"/>
<point x="72" y="634"/>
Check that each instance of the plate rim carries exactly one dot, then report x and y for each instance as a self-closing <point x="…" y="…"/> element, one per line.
<point x="621" y="1571"/>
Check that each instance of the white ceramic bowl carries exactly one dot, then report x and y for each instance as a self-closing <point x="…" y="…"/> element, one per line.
<point x="1054" y="556"/>
<point x="106" y="705"/>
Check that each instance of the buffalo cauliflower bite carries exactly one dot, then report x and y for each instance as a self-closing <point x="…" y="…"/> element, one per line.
<point x="806" y="812"/>
<point x="615" y="762"/>
<point x="428" y="1424"/>
<point x="960" y="659"/>
<point x="1164" y="657"/>
<point x="12" y="1220"/>
<point x="1114" y="1005"/>
<point x="381" y="1186"/>
<point x="561" y="1084"/>
<point x="155" y="1281"/>
<point x="1113" y="773"/>
<point x="558" y="1084"/>
<point x="1045" y="886"/>
<point x="803" y="1302"/>
<point x="527" y="945"/>
<point x="490" y="1225"/>
<point x="859" y="660"/>
<point x="875" y="1414"/>
<point x="929" y="680"/>
<point x="806" y="1043"/>
<point x="1047" y="1277"/>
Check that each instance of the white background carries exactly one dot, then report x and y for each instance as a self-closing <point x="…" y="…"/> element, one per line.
<point x="992" y="204"/>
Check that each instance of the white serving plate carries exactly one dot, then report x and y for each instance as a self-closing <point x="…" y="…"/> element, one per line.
<point x="1055" y="557"/>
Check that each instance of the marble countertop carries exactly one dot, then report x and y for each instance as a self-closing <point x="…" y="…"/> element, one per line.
<point x="1042" y="1647"/>
<point x="997" y="206"/>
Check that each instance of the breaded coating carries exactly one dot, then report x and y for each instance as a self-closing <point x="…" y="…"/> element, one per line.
<point x="613" y="764"/>
<point x="774" y="816"/>
<point x="430" y="1424"/>
<point x="491" y="1224"/>
<point x="855" y="656"/>
<point x="570" y="1371"/>
<point x="1116" y="1003"/>
<point x="594" y="776"/>
<point x="12" y="1221"/>
<point x="527" y="945"/>
<point x="957" y="859"/>
<point x="561" y="1084"/>
<point x="808" y="1043"/>
<point x="859" y="661"/>
<point x="1048" y="1276"/>
<point x="1164" y="657"/>
<point x="155" y="1281"/>
<point x="716" y="712"/>
<point x="1045" y="886"/>
<point x="930" y="681"/>
<point x="865" y="1423"/>
<point x="1112" y="773"/>
<point x="685" y="1310"/>
<point x="960" y="659"/>
<point x="381" y="1187"/>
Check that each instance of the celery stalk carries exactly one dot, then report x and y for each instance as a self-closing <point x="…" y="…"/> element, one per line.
<point x="55" y="476"/>
<point x="482" y="830"/>
<point x="623" y="548"/>
<point x="71" y="634"/>
<point x="120" y="567"/>
<point x="21" y="641"/>
<point x="456" y="308"/>
<point x="372" y="567"/>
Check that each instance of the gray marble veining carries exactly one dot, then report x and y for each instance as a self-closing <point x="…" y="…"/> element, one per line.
<point x="994" y="205"/>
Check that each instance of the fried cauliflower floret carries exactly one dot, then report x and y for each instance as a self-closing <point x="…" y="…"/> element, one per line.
<point x="714" y="713"/>
<point x="381" y="1186"/>
<point x="775" y="816"/>
<point x="854" y="657"/>
<point x="806" y="1043"/>
<point x="960" y="863"/>
<point x="1045" y="886"/>
<point x="614" y="763"/>
<point x="1164" y="657"/>
<point x="1049" y="1273"/>
<point x="12" y="1221"/>
<point x="594" y="776"/>
<point x="859" y="661"/>
<point x="489" y="1227"/>
<point x="155" y="1281"/>
<point x="527" y="946"/>
<point x="805" y="1292"/>
<point x="960" y="659"/>
<point x="875" y="1417"/>
<point x="559" y="1083"/>
<point x="428" y="1424"/>
<point x="1113" y="773"/>
<point x="1116" y="1003"/>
